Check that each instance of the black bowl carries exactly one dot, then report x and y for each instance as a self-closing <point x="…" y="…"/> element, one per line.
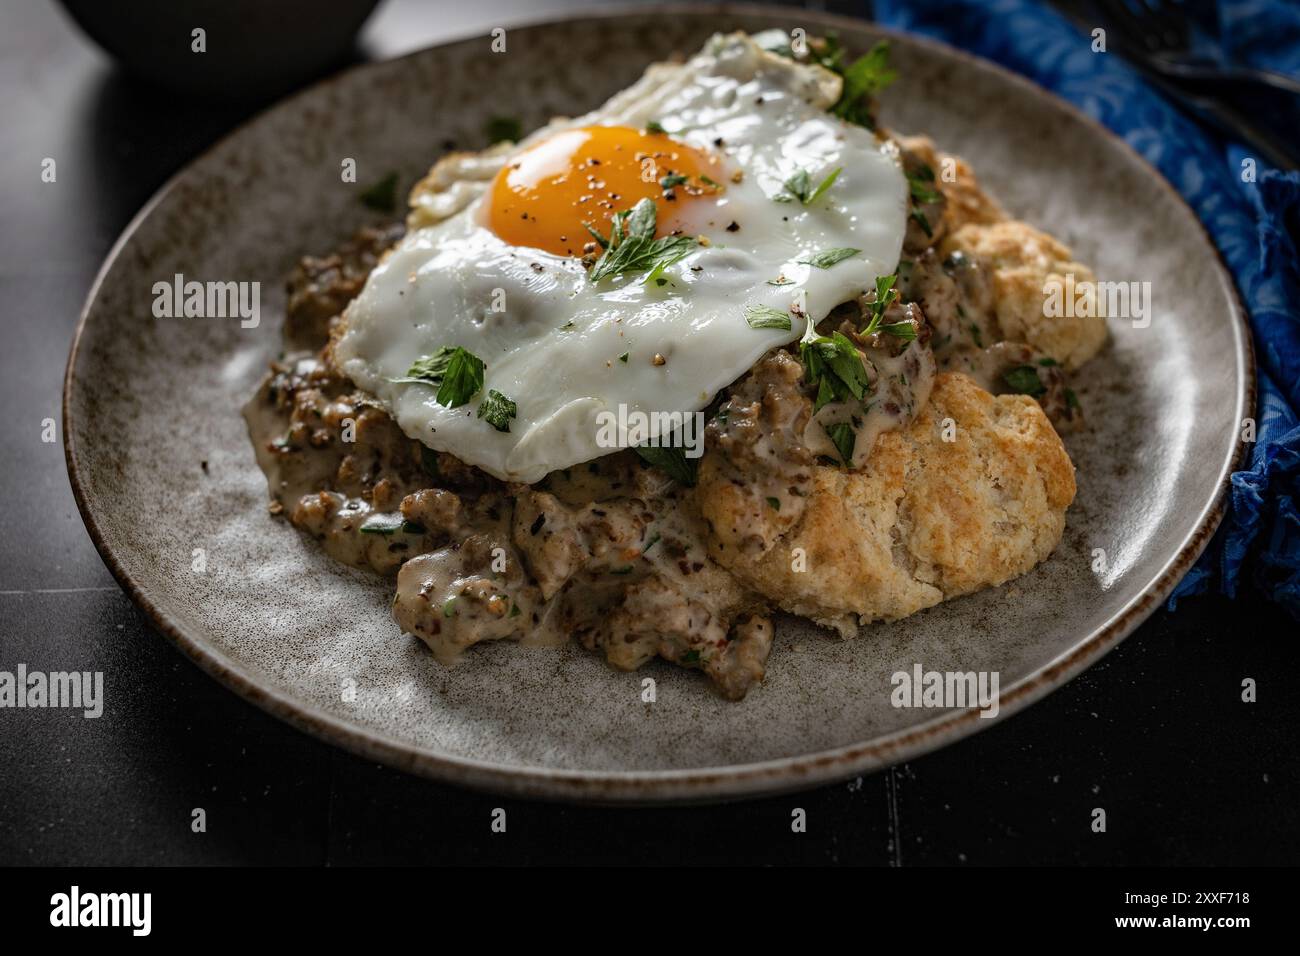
<point x="254" y="48"/>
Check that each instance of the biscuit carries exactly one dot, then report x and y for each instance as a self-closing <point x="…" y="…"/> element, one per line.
<point x="1026" y="262"/>
<point x="925" y="520"/>
<point x="967" y="202"/>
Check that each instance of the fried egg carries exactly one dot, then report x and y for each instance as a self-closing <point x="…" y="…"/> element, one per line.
<point x="778" y="206"/>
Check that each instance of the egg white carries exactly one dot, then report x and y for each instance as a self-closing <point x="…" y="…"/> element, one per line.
<point x="555" y="345"/>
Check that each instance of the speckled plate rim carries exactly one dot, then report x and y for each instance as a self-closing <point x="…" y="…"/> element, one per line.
<point x="698" y="784"/>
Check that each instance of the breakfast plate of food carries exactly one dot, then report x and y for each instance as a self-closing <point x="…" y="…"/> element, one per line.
<point x="697" y="430"/>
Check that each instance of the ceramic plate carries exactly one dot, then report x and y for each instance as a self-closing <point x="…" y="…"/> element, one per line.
<point x="162" y="468"/>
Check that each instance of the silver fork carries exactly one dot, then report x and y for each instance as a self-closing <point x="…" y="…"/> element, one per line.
<point x="1162" y="29"/>
<point x="1154" y="36"/>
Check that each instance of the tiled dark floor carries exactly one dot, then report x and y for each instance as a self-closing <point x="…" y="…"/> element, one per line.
<point x="1155" y="734"/>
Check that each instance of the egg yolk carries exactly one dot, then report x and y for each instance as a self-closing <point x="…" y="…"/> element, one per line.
<point x="549" y="194"/>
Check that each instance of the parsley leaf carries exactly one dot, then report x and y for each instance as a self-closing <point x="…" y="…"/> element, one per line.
<point x="461" y="380"/>
<point x="671" y="180"/>
<point x="654" y="126"/>
<point x="901" y="330"/>
<point x="604" y="243"/>
<point x="498" y="410"/>
<point x="430" y="369"/>
<point x="835" y="365"/>
<point x="829" y="257"/>
<point x="917" y="186"/>
<point x="798" y="186"/>
<point x="885" y="296"/>
<point x="639" y="255"/>
<point x="824" y="185"/>
<point x="672" y="461"/>
<point x="801" y="188"/>
<point x="640" y="219"/>
<point x="632" y="246"/>
<point x="767" y="317"/>
<point x="866" y="76"/>
<point x="455" y="372"/>
<point x="843" y="437"/>
<point x="1024" y="380"/>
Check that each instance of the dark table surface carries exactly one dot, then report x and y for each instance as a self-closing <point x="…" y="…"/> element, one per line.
<point x="1156" y="733"/>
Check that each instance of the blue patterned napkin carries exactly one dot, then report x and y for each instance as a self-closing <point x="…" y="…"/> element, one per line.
<point x="1259" y="542"/>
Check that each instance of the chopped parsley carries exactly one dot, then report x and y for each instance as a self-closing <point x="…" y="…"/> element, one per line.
<point x="604" y="243"/>
<point x="1024" y="380"/>
<point x="800" y="187"/>
<point x="654" y="126"/>
<point x="461" y="380"/>
<point x="497" y="410"/>
<point x="623" y="358"/>
<point x="774" y="504"/>
<point x="918" y="185"/>
<point x="500" y="128"/>
<point x="767" y="317"/>
<point x="863" y="78"/>
<point x="900" y="330"/>
<point x="843" y="437"/>
<point x="671" y="461"/>
<point x="919" y="218"/>
<point x="457" y="374"/>
<point x="382" y="196"/>
<point x="671" y="180"/>
<point x="835" y="366"/>
<point x="449" y="608"/>
<point x="454" y="371"/>
<point x="690" y="657"/>
<point x="886" y="295"/>
<point x="632" y="247"/>
<point x="430" y="369"/>
<point x="656" y="275"/>
<point x="829" y="257"/>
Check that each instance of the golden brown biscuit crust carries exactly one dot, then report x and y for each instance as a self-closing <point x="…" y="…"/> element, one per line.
<point x="927" y="519"/>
